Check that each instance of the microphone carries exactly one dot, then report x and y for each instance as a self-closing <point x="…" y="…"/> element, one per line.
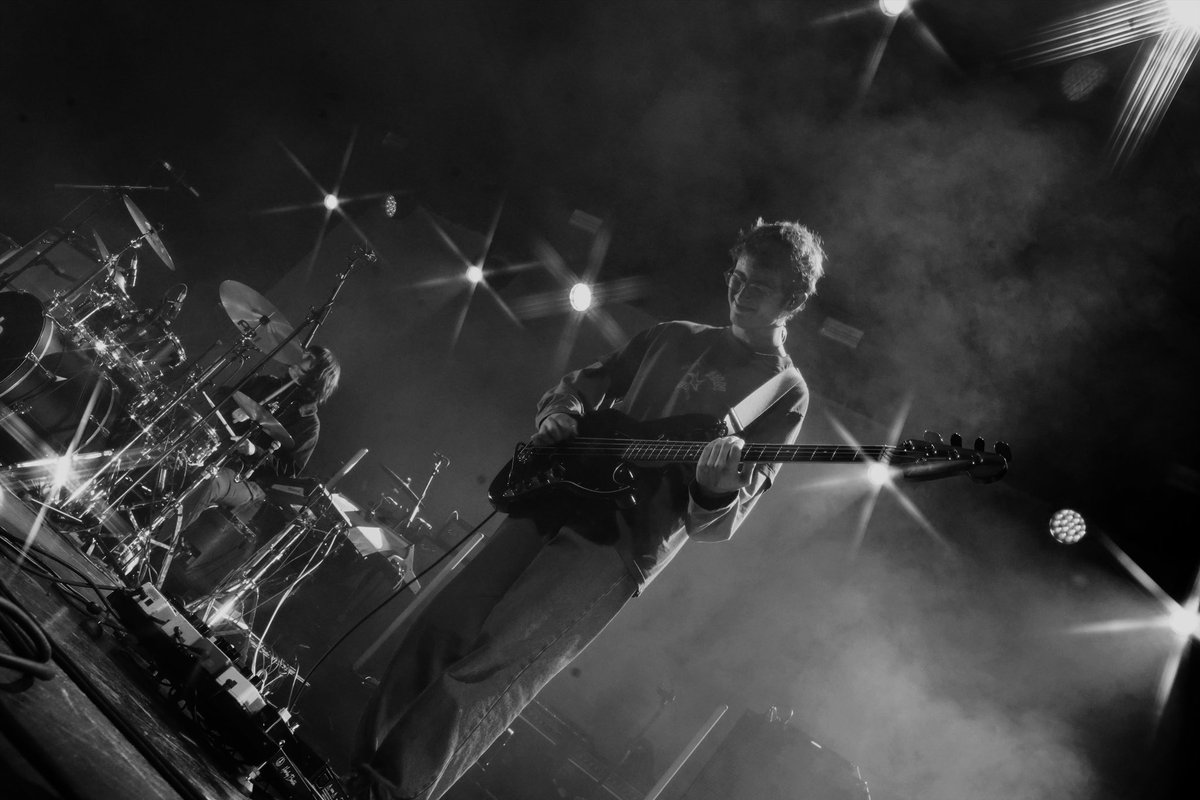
<point x="179" y="178"/>
<point x="130" y="272"/>
<point x="172" y="303"/>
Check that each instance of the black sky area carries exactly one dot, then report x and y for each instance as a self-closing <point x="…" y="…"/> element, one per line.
<point x="1007" y="282"/>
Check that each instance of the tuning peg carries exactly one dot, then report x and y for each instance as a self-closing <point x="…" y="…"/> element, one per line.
<point x="955" y="440"/>
<point x="1004" y="451"/>
<point x="933" y="437"/>
<point x="980" y="444"/>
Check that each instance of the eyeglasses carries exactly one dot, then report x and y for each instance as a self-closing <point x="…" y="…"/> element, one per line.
<point x="738" y="284"/>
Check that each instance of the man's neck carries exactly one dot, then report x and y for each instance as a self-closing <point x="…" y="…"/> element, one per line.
<point x="763" y="340"/>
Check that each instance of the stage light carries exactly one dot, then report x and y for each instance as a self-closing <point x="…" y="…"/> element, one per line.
<point x="581" y="297"/>
<point x="1067" y="526"/>
<point x="390" y="206"/>
<point x="331" y="201"/>
<point x="475" y="274"/>
<point x="893" y="8"/>
<point x="1185" y="622"/>
<point x="879" y="474"/>
<point x="1185" y="12"/>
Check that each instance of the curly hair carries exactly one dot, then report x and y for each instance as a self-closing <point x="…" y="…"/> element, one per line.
<point x="765" y="242"/>
<point x="322" y="380"/>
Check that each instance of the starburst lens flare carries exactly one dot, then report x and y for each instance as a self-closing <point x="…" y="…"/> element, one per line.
<point x="1067" y="526"/>
<point x="475" y="274"/>
<point x="331" y="202"/>
<point x="879" y="474"/>
<point x="893" y="8"/>
<point x="581" y="297"/>
<point x="1185" y="12"/>
<point x="1184" y="622"/>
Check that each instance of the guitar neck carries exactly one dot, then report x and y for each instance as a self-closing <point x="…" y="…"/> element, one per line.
<point x="660" y="451"/>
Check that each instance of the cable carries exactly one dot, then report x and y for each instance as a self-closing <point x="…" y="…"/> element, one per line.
<point x="23" y="561"/>
<point x="395" y="593"/>
<point x="31" y="653"/>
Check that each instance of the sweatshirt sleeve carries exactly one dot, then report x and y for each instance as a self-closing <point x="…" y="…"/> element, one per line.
<point x="712" y="518"/>
<point x="598" y="384"/>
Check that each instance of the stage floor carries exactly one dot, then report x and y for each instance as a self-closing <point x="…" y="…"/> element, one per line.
<point x="101" y="727"/>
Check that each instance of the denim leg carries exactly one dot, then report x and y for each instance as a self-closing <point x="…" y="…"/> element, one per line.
<point x="473" y="684"/>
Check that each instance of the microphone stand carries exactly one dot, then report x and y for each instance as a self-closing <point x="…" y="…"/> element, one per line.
<point x="356" y="253"/>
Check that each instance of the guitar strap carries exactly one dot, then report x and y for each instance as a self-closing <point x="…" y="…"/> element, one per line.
<point x="754" y="404"/>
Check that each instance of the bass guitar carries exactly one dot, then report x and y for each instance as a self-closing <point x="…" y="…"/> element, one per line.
<point x="604" y="460"/>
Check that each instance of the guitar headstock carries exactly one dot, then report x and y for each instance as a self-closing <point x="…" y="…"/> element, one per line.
<point x="931" y="458"/>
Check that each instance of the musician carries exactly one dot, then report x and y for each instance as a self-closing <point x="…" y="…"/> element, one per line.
<point x="293" y="402"/>
<point x="548" y="581"/>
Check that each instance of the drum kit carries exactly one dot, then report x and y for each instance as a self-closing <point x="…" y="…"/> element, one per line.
<point x="106" y="426"/>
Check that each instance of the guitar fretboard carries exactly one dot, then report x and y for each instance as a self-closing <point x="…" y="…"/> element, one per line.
<point x="666" y="451"/>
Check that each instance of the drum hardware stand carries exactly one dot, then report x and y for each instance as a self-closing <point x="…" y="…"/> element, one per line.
<point x="248" y="578"/>
<point x="57" y="235"/>
<point x="356" y="253"/>
<point x="205" y="375"/>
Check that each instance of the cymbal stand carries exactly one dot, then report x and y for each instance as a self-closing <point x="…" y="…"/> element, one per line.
<point x="134" y="558"/>
<point x="58" y="235"/>
<point x="225" y="597"/>
<point x="439" y="461"/>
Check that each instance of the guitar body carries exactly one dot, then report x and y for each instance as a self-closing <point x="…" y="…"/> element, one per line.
<point x="537" y="475"/>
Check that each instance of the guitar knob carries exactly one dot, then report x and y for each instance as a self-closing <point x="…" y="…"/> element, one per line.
<point x="955" y="440"/>
<point x="980" y="444"/>
<point x="933" y="437"/>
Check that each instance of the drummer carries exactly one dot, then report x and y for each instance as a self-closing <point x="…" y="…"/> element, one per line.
<point x="293" y="403"/>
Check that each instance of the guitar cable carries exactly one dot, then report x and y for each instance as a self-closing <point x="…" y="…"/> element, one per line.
<point x="392" y="596"/>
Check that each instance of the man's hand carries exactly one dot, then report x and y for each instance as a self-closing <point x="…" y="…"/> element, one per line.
<point x="246" y="447"/>
<point x="238" y="415"/>
<point x="556" y="428"/>
<point x="719" y="470"/>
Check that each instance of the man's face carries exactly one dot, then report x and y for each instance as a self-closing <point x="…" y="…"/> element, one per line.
<point x="757" y="297"/>
<point x="299" y="371"/>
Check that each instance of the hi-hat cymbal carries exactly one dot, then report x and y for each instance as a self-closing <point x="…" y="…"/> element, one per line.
<point x="143" y="224"/>
<point x="247" y="307"/>
<point x="271" y="426"/>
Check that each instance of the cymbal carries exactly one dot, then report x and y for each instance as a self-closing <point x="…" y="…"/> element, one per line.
<point x="244" y="305"/>
<point x="143" y="224"/>
<point x="403" y="484"/>
<point x="271" y="426"/>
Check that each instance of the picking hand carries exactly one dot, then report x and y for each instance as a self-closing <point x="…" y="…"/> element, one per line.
<point x="238" y="415"/>
<point x="556" y="428"/>
<point x="246" y="447"/>
<point x="719" y="469"/>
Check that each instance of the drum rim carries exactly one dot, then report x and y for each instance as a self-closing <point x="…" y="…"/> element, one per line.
<point x="33" y="359"/>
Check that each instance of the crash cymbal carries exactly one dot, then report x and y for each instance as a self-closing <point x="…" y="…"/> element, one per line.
<point x="247" y="307"/>
<point x="151" y="235"/>
<point x="271" y="426"/>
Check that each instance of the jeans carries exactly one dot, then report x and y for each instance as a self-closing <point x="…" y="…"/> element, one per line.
<point x="480" y="651"/>
<point x="217" y="549"/>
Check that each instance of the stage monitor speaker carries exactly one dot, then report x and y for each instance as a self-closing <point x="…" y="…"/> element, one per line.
<point x="763" y="758"/>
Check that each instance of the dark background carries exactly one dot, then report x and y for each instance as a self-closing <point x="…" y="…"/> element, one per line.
<point x="1007" y="279"/>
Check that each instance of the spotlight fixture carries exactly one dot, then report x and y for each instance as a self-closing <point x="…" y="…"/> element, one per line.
<point x="893" y="8"/>
<point x="581" y="297"/>
<point x="390" y="206"/>
<point x="1067" y="526"/>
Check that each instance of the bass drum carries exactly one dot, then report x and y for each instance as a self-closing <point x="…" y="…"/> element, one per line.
<point x="48" y="397"/>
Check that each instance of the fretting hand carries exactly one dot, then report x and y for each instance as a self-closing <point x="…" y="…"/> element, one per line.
<point x="719" y="470"/>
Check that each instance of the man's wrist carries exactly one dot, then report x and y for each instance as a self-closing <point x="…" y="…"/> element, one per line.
<point x="710" y="500"/>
